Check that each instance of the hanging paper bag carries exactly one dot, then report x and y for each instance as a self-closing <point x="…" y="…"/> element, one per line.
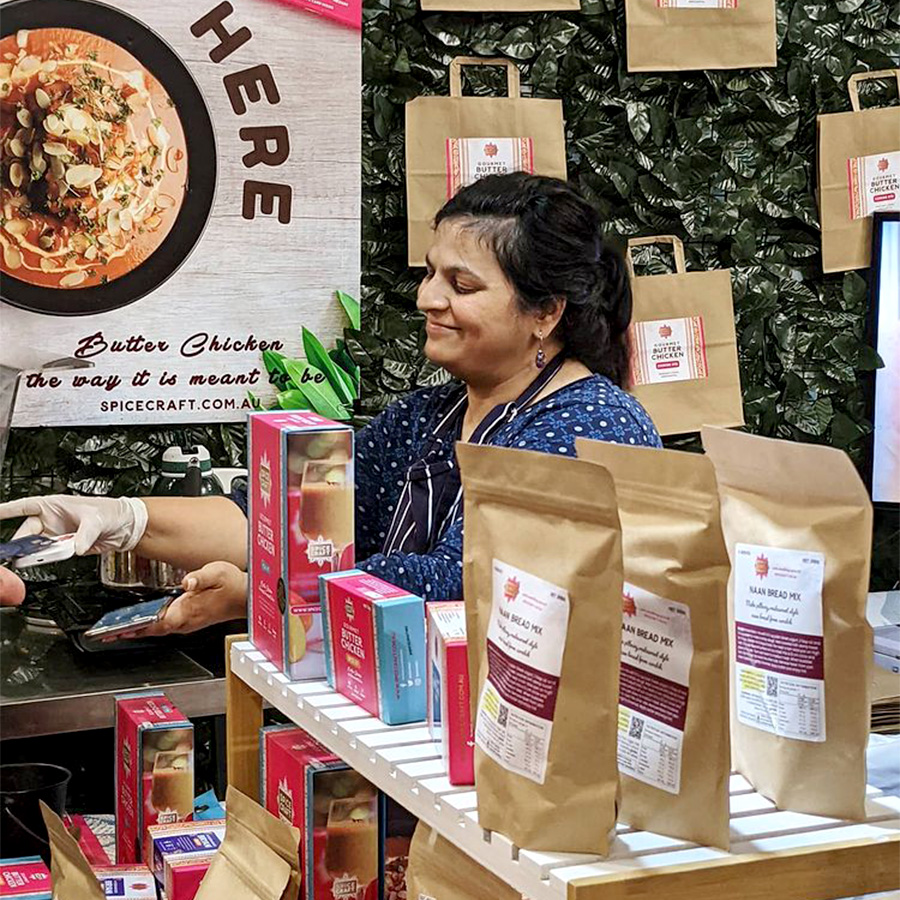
<point x="859" y="173"/>
<point x="682" y="35"/>
<point x="684" y="364"/>
<point x="453" y="141"/>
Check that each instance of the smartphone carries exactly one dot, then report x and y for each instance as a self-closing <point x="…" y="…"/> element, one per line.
<point x="37" y="550"/>
<point x="130" y="618"/>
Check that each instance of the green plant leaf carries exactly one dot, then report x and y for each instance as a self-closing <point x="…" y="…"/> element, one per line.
<point x="314" y="385"/>
<point x="294" y="399"/>
<point x="351" y="307"/>
<point x="316" y="355"/>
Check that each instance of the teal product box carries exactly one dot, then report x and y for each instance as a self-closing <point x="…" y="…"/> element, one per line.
<point x="375" y="651"/>
<point x="25" y="878"/>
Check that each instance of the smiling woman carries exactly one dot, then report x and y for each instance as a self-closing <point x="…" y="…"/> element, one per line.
<point x="528" y="308"/>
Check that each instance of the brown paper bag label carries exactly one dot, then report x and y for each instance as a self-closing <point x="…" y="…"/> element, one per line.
<point x="653" y="687"/>
<point x="697" y="4"/>
<point x="70" y="872"/>
<point x="874" y="184"/>
<point x="526" y="640"/>
<point x="469" y="159"/>
<point x="668" y="350"/>
<point x="779" y="644"/>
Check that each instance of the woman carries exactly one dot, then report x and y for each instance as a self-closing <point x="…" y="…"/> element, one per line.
<point x="527" y="308"/>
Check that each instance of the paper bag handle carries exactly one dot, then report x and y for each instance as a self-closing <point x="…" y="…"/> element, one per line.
<point x="512" y="73"/>
<point x="854" y="80"/>
<point x="677" y="246"/>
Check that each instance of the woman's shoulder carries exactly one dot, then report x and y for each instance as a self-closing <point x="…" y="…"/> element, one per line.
<point x="413" y="413"/>
<point x="595" y="408"/>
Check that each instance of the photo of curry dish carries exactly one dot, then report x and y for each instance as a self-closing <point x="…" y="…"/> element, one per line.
<point x="94" y="160"/>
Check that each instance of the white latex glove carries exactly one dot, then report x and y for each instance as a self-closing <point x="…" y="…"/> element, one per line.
<point x="100" y="524"/>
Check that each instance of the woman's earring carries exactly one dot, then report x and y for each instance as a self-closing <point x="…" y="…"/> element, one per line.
<point x="541" y="360"/>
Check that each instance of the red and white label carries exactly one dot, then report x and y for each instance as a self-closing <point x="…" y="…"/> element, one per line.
<point x="874" y="184"/>
<point x="653" y="687"/>
<point x="668" y="350"/>
<point x="779" y="645"/>
<point x="469" y="159"/>
<point x="526" y="641"/>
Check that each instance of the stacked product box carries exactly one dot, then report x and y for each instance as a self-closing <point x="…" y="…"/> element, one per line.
<point x="301" y="512"/>
<point x="449" y="712"/>
<point x="183" y="876"/>
<point x="335" y="808"/>
<point x="154" y="769"/>
<point x="375" y="645"/>
<point x="181" y="845"/>
<point x="25" y="878"/>
<point x="126" y="882"/>
<point x="397" y="827"/>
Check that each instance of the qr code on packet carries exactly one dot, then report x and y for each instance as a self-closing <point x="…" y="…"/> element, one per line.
<point x="503" y="715"/>
<point x="771" y="686"/>
<point x="636" y="728"/>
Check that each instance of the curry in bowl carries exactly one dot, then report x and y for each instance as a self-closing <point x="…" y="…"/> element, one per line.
<point x="94" y="159"/>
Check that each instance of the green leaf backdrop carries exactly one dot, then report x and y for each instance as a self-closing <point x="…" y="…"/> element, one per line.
<point x="725" y="160"/>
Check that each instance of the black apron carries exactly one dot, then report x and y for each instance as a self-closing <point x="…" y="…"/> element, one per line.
<point x="431" y="498"/>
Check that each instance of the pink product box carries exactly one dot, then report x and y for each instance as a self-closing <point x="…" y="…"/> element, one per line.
<point x="182" y="840"/>
<point x="154" y="770"/>
<point x="346" y="12"/>
<point x="126" y="882"/>
<point x="183" y="876"/>
<point x="25" y="878"/>
<point x="375" y="645"/>
<point x="449" y="713"/>
<point x="301" y="511"/>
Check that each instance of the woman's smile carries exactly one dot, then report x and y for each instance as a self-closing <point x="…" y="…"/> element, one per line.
<point x="435" y="329"/>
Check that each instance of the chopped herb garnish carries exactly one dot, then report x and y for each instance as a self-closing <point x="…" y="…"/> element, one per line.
<point x="156" y="122"/>
<point x="104" y="279"/>
<point x="92" y="55"/>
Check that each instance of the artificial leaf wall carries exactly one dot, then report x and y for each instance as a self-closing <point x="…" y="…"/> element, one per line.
<point x="725" y="160"/>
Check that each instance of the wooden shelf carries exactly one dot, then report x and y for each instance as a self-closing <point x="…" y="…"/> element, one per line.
<point x="775" y="854"/>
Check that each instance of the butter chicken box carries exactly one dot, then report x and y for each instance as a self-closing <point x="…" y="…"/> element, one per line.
<point x="182" y="840"/>
<point x="335" y="808"/>
<point x="25" y="878"/>
<point x="126" y="882"/>
<point x="154" y="769"/>
<point x="375" y="645"/>
<point x="183" y="874"/>
<point x="449" y="713"/>
<point x="301" y="512"/>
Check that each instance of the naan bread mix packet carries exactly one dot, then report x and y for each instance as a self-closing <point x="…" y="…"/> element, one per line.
<point x="543" y="591"/>
<point x="798" y="527"/>
<point x="438" y="870"/>
<point x="674" y="756"/>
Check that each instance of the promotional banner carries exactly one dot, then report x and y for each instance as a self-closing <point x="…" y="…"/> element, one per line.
<point x="180" y="192"/>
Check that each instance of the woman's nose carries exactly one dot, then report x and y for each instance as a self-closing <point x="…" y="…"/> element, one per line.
<point x="431" y="295"/>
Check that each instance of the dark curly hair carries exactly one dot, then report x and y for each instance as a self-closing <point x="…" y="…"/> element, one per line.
<point x="549" y="243"/>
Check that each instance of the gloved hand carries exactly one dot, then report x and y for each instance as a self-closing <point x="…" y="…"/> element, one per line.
<point x="100" y="524"/>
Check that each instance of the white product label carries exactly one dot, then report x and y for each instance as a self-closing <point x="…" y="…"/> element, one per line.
<point x="874" y="184"/>
<point x="653" y="687"/>
<point x="469" y="159"/>
<point x="697" y="4"/>
<point x="668" y="350"/>
<point x="526" y="641"/>
<point x="779" y="645"/>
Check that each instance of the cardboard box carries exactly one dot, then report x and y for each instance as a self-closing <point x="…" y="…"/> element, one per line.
<point x="25" y="878"/>
<point x="375" y="645"/>
<point x="182" y="840"/>
<point x="335" y="808"/>
<point x="301" y="512"/>
<point x="126" y="882"/>
<point x="397" y="827"/>
<point x="183" y="875"/>
<point x="154" y="769"/>
<point x="449" y="713"/>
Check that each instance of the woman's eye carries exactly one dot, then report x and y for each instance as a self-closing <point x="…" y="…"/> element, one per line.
<point x="463" y="288"/>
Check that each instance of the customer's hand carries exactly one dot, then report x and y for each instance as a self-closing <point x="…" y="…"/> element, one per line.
<point x="100" y="524"/>
<point x="215" y="593"/>
<point x="12" y="588"/>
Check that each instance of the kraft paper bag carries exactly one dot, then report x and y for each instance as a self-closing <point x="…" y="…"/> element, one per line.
<point x="438" y="870"/>
<point x="859" y="174"/>
<point x="798" y="527"/>
<point x="542" y="579"/>
<point x="453" y="141"/>
<point x="673" y="683"/>
<point x="70" y="872"/>
<point x="684" y="352"/>
<point x="259" y="858"/>
<point x="679" y="35"/>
